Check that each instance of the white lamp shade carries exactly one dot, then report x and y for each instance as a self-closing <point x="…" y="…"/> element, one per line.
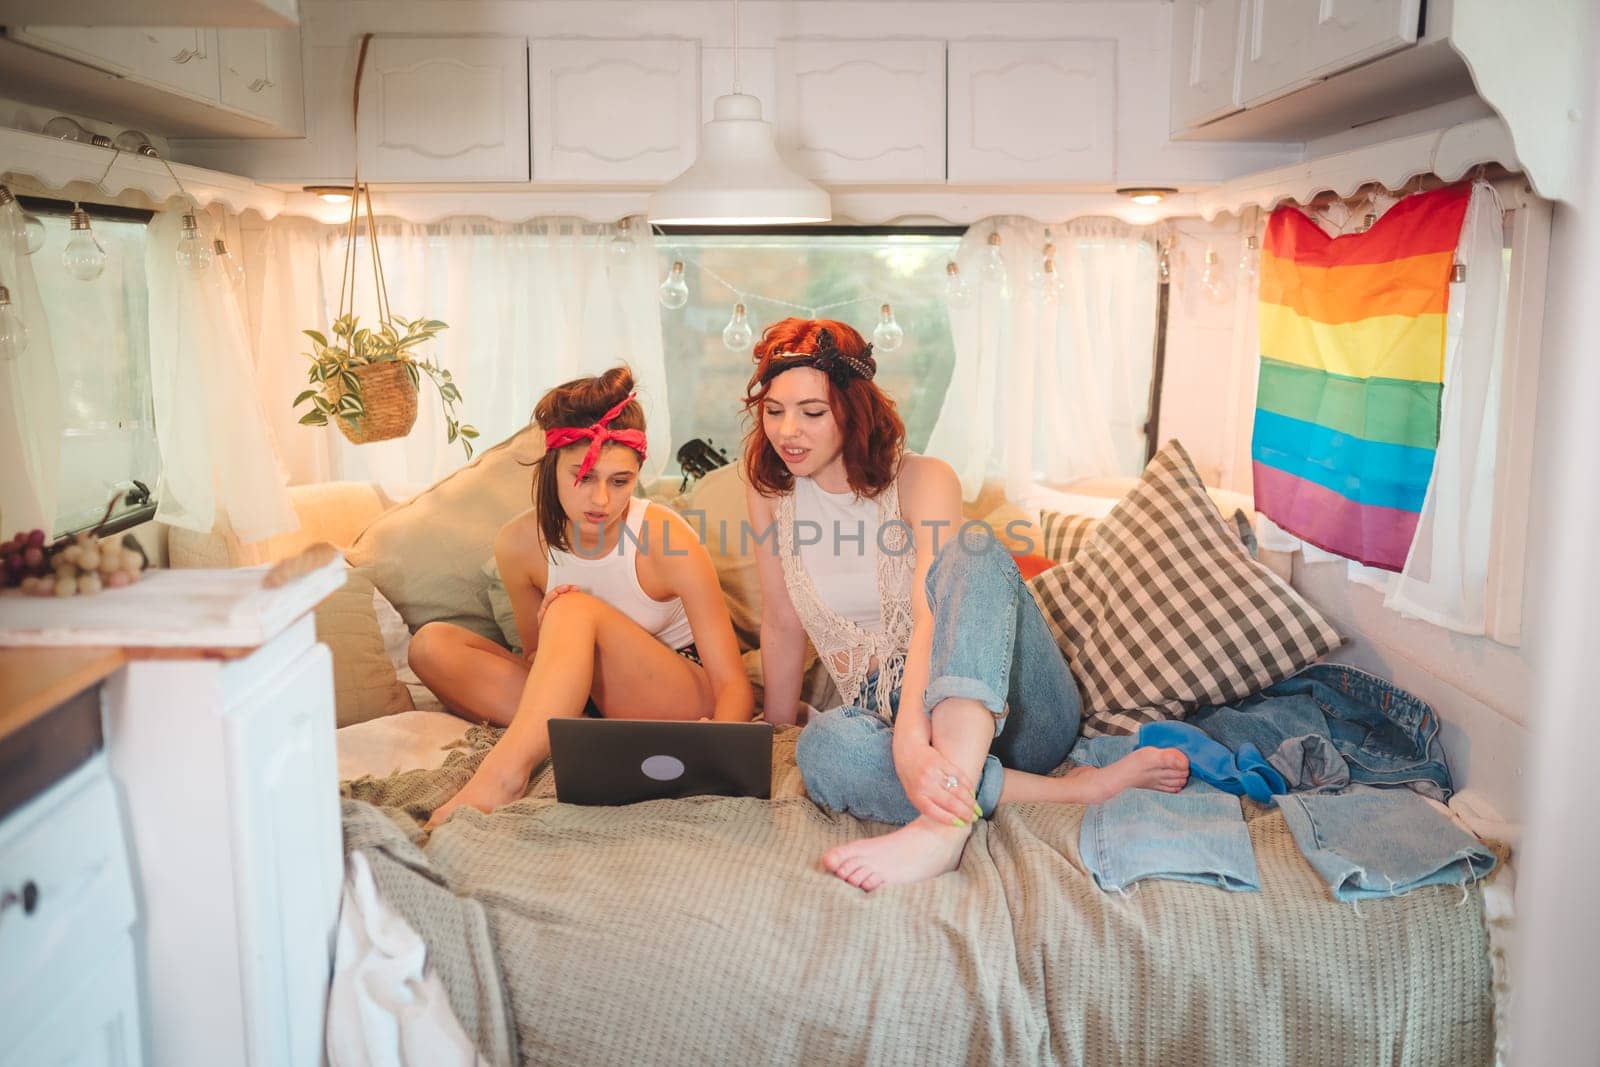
<point x="738" y="179"/>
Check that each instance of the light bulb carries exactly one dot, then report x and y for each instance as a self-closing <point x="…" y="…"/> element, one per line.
<point x="1053" y="282"/>
<point x="1212" y="282"/>
<point x="193" y="254"/>
<point x="956" y="290"/>
<point x="887" y="335"/>
<point x="135" y="142"/>
<point x="13" y="333"/>
<point x="1249" y="258"/>
<point x="994" y="264"/>
<point x="65" y="129"/>
<point x="737" y="335"/>
<point x="674" y="291"/>
<point x="621" y="245"/>
<point x="232" y="269"/>
<point x="1164" y="262"/>
<point x="83" y="257"/>
<point x="27" y="231"/>
<point x="1040" y="274"/>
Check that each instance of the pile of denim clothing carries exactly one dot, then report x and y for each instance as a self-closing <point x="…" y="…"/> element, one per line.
<point x="1350" y="760"/>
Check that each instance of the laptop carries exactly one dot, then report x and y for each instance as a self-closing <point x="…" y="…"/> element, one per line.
<point x="624" y="761"/>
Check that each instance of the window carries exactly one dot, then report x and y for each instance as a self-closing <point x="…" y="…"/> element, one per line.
<point x="778" y="275"/>
<point x="99" y="332"/>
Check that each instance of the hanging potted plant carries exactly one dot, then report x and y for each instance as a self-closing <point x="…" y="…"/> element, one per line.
<point x="366" y="380"/>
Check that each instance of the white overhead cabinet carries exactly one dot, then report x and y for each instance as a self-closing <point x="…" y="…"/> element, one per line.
<point x="1233" y="56"/>
<point x="1205" y="60"/>
<point x="178" y="81"/>
<point x="860" y="112"/>
<point x="614" y="111"/>
<point x="1032" y="111"/>
<point x="445" y="109"/>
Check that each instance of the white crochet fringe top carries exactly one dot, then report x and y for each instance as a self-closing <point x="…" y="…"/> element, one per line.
<point x="846" y="648"/>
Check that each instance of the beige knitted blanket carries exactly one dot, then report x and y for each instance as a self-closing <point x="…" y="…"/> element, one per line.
<point x="704" y="932"/>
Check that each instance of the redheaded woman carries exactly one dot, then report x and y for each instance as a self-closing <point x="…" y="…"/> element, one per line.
<point x="956" y="698"/>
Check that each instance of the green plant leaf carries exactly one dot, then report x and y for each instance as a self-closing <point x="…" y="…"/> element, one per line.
<point x="416" y="377"/>
<point x="313" y="418"/>
<point x="450" y="392"/>
<point x="324" y="405"/>
<point x="316" y="336"/>
<point x="351" y="382"/>
<point x="450" y="432"/>
<point x="350" y="405"/>
<point x="469" y="431"/>
<point x="303" y="397"/>
<point x="435" y="324"/>
<point x="468" y="446"/>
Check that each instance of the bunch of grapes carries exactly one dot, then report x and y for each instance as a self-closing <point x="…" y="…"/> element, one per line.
<point x="84" y="564"/>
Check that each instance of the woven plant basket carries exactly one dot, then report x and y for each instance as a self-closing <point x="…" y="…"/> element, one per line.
<point x="390" y="398"/>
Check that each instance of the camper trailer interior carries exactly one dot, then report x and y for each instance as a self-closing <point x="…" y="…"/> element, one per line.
<point x="1136" y="457"/>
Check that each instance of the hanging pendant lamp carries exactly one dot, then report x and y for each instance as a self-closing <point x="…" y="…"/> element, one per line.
<point x="738" y="178"/>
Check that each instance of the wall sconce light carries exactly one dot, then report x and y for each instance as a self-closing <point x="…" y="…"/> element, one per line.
<point x="331" y="194"/>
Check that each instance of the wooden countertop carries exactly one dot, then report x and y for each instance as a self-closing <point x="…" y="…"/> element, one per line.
<point x="34" y="680"/>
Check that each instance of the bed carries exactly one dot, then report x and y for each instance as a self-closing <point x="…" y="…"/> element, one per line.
<point x="704" y="931"/>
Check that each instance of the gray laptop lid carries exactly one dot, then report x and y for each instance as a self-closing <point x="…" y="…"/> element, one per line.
<point x="624" y="761"/>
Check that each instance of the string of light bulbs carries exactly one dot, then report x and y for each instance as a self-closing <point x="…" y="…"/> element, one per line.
<point x="738" y="334"/>
<point x="84" y="257"/>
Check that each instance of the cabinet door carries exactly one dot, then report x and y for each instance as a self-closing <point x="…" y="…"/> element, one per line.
<point x="283" y="781"/>
<point x="1277" y="49"/>
<point x="261" y="75"/>
<point x="1032" y="111"/>
<point x="181" y="59"/>
<point x="445" y="109"/>
<point x="1348" y="32"/>
<point x="614" y="111"/>
<point x="94" y="1022"/>
<point x="863" y="111"/>
<point x="184" y="60"/>
<point x="1205" y="60"/>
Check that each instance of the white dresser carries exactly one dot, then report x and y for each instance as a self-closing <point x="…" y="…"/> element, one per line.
<point x="219" y="750"/>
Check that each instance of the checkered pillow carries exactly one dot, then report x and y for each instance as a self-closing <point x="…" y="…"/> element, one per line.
<point x="1063" y="534"/>
<point x="1162" y="609"/>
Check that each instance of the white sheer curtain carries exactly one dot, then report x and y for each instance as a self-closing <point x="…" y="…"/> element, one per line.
<point x="1446" y="573"/>
<point x="528" y="305"/>
<point x="30" y="402"/>
<point x="1051" y="383"/>
<point x="216" y="450"/>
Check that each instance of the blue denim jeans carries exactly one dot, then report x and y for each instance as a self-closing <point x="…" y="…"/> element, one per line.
<point x="1386" y="735"/>
<point x="990" y="644"/>
<point x="1369" y="842"/>
<point x="1198" y="835"/>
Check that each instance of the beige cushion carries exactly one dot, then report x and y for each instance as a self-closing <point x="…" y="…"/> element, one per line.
<point x="505" y="617"/>
<point x="364" y="682"/>
<point x="1064" y="534"/>
<point x="715" y="508"/>
<point x="427" y="555"/>
<point x="1162" y="608"/>
<point x="334" y="512"/>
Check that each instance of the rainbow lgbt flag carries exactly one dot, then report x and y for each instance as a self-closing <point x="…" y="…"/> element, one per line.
<point x="1352" y="368"/>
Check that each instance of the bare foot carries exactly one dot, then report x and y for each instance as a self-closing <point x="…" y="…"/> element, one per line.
<point x="491" y="786"/>
<point x="1162" y="769"/>
<point x="914" y="853"/>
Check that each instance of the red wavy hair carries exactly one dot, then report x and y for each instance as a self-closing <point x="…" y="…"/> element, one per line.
<point x="874" y="435"/>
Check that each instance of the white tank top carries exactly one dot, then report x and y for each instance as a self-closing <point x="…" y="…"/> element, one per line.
<point x="836" y="537"/>
<point x="614" y="578"/>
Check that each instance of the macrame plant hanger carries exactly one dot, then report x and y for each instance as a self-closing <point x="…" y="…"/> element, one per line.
<point x="388" y="389"/>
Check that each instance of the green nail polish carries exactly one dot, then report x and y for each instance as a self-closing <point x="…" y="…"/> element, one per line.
<point x="977" y="811"/>
<point x="958" y="822"/>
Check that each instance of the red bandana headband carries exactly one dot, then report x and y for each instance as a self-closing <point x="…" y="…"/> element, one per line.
<point x="597" y="435"/>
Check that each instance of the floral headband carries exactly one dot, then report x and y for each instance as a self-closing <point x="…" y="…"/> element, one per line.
<point x="597" y="434"/>
<point x="826" y="358"/>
